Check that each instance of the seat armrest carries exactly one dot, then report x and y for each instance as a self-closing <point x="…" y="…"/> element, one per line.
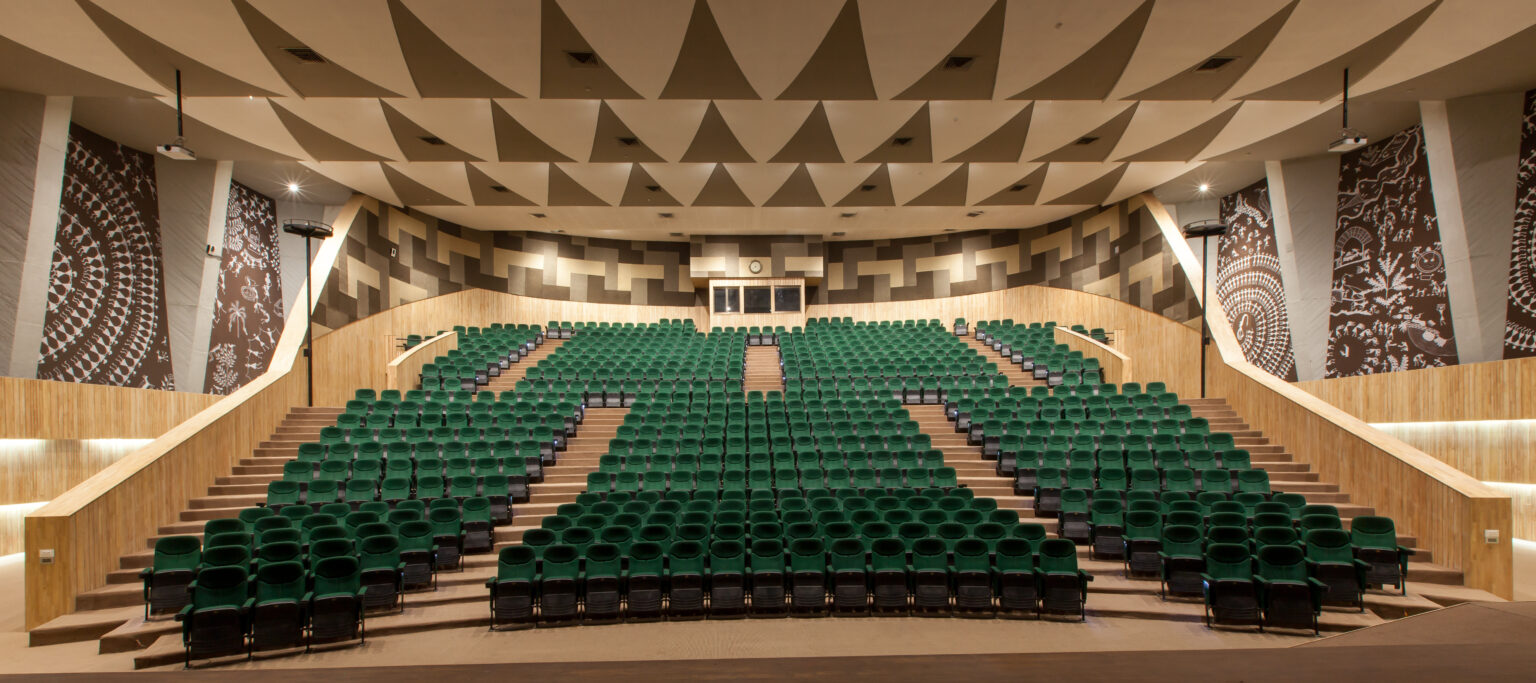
<point x="184" y="614"/>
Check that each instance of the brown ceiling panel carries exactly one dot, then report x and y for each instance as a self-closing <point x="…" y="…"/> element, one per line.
<point x="911" y="143"/>
<point x="714" y="141"/>
<point x="436" y="68"/>
<point x="418" y="143"/>
<point x="1095" y="145"/>
<point x="27" y="70"/>
<point x="813" y="143"/>
<point x="161" y="62"/>
<point x="1024" y="192"/>
<point x="839" y="69"/>
<point x="614" y="141"/>
<point x="874" y="191"/>
<point x="643" y="190"/>
<point x="1196" y="83"/>
<point x="1093" y="74"/>
<point x="514" y="142"/>
<point x="569" y="67"/>
<point x="412" y="193"/>
<point x="1184" y="146"/>
<point x="1095" y="192"/>
<point x="705" y="68"/>
<point x="308" y="79"/>
<point x="969" y="71"/>
<point x="1327" y="81"/>
<point x="947" y="192"/>
<point x="1006" y="144"/>
<point x="721" y="190"/>
<point x="319" y="144"/>
<point x="798" y="190"/>
<point x="565" y="191"/>
<point x="488" y="191"/>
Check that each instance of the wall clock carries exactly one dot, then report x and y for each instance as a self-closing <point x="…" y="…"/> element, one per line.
<point x="755" y="266"/>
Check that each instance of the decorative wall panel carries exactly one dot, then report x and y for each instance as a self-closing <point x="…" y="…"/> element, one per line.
<point x="1520" y="319"/>
<point x="1389" y="310"/>
<point x="105" y="321"/>
<point x="248" y="308"/>
<point x="779" y="255"/>
<point x="1248" y="281"/>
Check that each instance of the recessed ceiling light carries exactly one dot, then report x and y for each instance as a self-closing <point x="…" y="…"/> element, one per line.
<point x="958" y="61"/>
<point x="293" y="188"/>
<point x="538" y="215"/>
<point x="629" y="141"/>
<point x="432" y="140"/>
<point x="950" y="230"/>
<point x="867" y="188"/>
<point x="582" y="58"/>
<point x="665" y="214"/>
<point x="901" y="142"/>
<point x="1215" y="63"/>
<point x="1017" y="188"/>
<point x="1205" y="187"/>
<point x="838" y="234"/>
<point x="499" y="188"/>
<point x="1086" y="140"/>
<point x="675" y="234"/>
<point x="974" y="214"/>
<point x="848" y="214"/>
<point x="305" y="54"/>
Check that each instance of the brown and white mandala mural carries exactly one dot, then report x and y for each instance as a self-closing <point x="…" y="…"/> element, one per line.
<point x="248" y="313"/>
<point x="1520" y="317"/>
<point x="1248" y="281"/>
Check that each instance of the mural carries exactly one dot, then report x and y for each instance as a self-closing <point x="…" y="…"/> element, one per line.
<point x="1389" y="310"/>
<point x="1520" y="318"/>
<point x="248" y="309"/>
<point x="1248" y="281"/>
<point x="105" y="321"/>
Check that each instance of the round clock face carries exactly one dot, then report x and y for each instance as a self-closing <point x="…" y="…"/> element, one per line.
<point x="755" y="267"/>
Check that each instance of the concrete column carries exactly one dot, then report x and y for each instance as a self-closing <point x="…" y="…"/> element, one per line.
<point x="47" y="191"/>
<point x="218" y="210"/>
<point x="1443" y="186"/>
<point x="1304" y="195"/>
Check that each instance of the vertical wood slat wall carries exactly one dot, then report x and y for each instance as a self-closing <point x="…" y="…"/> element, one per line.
<point x="48" y="409"/>
<point x="1114" y="367"/>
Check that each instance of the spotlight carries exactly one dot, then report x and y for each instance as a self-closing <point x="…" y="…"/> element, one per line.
<point x="293" y="188"/>
<point x="1205" y="187"/>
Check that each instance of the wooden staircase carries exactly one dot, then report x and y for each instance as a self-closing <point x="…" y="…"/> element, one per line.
<point x="762" y="371"/>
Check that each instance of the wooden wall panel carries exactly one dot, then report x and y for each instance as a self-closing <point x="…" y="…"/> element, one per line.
<point x="404" y="372"/>
<point x="1489" y="451"/>
<point x="1523" y="498"/>
<point x="37" y="470"/>
<point x="1113" y="366"/>
<point x="1496" y="390"/>
<point x="47" y="409"/>
<point x="91" y="525"/>
<point x="12" y="526"/>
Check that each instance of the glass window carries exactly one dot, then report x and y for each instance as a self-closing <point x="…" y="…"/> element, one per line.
<point x="757" y="300"/>
<point x="727" y="300"/>
<point x="786" y="299"/>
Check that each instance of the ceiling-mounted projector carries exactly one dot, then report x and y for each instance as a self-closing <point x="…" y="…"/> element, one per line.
<point x="1348" y="143"/>
<point x="176" y="150"/>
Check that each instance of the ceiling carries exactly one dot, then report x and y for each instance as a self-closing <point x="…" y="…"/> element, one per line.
<point x="871" y="118"/>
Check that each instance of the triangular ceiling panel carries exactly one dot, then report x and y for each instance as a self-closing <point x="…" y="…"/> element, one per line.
<point x="721" y="190"/>
<point x="1093" y="74"/>
<point x="705" y="68"/>
<point x="912" y="143"/>
<point x="813" y="143"/>
<point x="569" y="67"/>
<point x="488" y="191"/>
<point x="643" y="190"/>
<point x="514" y="142"/>
<point x="874" y="191"/>
<point x="1006" y="144"/>
<point x="760" y="181"/>
<point x="412" y="193"/>
<point x="798" y="190"/>
<point x="319" y="144"/>
<point x="666" y="126"/>
<point x="1187" y="145"/>
<point x="308" y="78"/>
<point x="436" y="69"/>
<point x="839" y="70"/>
<point x="161" y="62"/>
<point x="1095" y="145"/>
<point x="614" y="141"/>
<point x="714" y="141"/>
<point x="27" y="70"/>
<point x="947" y="192"/>
<point x="1326" y="81"/>
<point x="446" y="178"/>
<point x="1095" y="192"/>
<point x="525" y="179"/>
<point x="366" y="177"/>
<point x="607" y="181"/>
<point x="969" y="71"/>
<point x="464" y="123"/>
<point x="1022" y="192"/>
<point x="565" y="191"/>
<point x="1199" y="82"/>
<point x="771" y="41"/>
<point x="682" y="181"/>
<point x="418" y="143"/>
<point x="500" y="38"/>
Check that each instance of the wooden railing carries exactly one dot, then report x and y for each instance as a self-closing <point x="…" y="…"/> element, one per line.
<point x="404" y="372"/>
<point x="1113" y="366"/>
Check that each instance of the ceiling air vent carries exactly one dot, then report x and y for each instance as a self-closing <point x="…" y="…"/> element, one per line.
<point x="901" y="142"/>
<point x="653" y="188"/>
<point x="629" y="141"/>
<point x="499" y="188"/>
<point x="973" y="214"/>
<point x="839" y="234"/>
<point x="1017" y="188"/>
<point x="665" y="214"/>
<point x="1215" y="63"/>
<point x="675" y="234"/>
<point x="305" y="54"/>
<point x="538" y="215"/>
<point x="433" y="140"/>
<point x="1086" y="140"/>
<point x="958" y="62"/>
<point x="582" y="58"/>
<point x="867" y="188"/>
<point x="847" y="215"/>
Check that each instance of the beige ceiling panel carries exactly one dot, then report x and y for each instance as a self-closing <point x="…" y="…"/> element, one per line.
<point x="62" y="30"/>
<point x="358" y="35"/>
<point x="835" y="181"/>
<point x="644" y="190"/>
<point x="1094" y="73"/>
<point x="488" y="191"/>
<point x="1094" y="192"/>
<point x="906" y="38"/>
<point x="958" y="124"/>
<point x="615" y="141"/>
<point x="720" y="189"/>
<point x="566" y="125"/>
<point x="607" y="181"/>
<point x="911" y="143"/>
<point x="250" y="119"/>
<point x="366" y="177"/>
<point x="799" y="189"/>
<point x="1181" y="35"/>
<point x="760" y="181"/>
<point x="1140" y="175"/>
<point x="949" y="191"/>
<point x="910" y="180"/>
<point x="986" y="180"/>
<point x="640" y="41"/>
<point x="444" y="177"/>
<point x="683" y="181"/>
<point x="1040" y="37"/>
<point x="1157" y="122"/>
<point x="839" y="69"/>
<point x="1063" y="178"/>
<point x="714" y="141"/>
<point x="1323" y="81"/>
<point x="1053" y="124"/>
<point x="1096" y="144"/>
<point x="860" y="127"/>
<point x="413" y="193"/>
<point x="1457" y="30"/>
<point x="463" y="123"/>
<point x="705" y="67"/>
<point x="772" y="41"/>
<point x="666" y="126"/>
<point x="1317" y="32"/>
<point x="875" y="190"/>
<point x="359" y="121"/>
<point x="529" y="180"/>
<point x="500" y="37"/>
<point x="763" y="128"/>
<point x="211" y="33"/>
<point x="1256" y="121"/>
<point x="813" y="142"/>
<point x="1187" y="145"/>
<point x="420" y="144"/>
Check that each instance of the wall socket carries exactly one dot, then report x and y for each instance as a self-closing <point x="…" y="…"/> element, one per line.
<point x="211" y="250"/>
<point x="1490" y="535"/>
<point x="45" y="556"/>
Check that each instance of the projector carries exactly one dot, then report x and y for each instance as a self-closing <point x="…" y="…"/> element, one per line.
<point x="176" y="151"/>
<point x="1348" y="143"/>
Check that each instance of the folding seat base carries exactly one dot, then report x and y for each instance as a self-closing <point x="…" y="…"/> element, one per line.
<point x="602" y="606"/>
<point x="1063" y="600"/>
<point x="808" y="597"/>
<point x="512" y="611"/>
<point x="686" y="604"/>
<point x="1107" y="544"/>
<point x="644" y="603"/>
<point x="558" y="606"/>
<point x="768" y="599"/>
<point x="973" y="597"/>
<point x="1290" y="611"/>
<point x="1228" y="607"/>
